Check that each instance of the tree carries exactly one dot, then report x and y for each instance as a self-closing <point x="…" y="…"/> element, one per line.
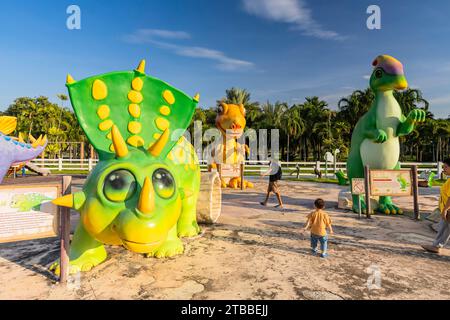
<point x="293" y="126"/>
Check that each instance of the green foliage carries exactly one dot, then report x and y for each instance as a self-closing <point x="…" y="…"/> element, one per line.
<point x="38" y="116"/>
<point x="307" y="129"/>
<point x="311" y="128"/>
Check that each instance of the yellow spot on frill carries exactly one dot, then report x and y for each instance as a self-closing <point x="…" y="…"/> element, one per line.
<point x="109" y="136"/>
<point x="168" y="96"/>
<point x="105" y="125"/>
<point x="103" y="112"/>
<point x="162" y="123"/>
<point x="156" y="135"/>
<point x="135" y="141"/>
<point x="137" y="84"/>
<point x="111" y="148"/>
<point x="134" y="127"/>
<point x="134" y="110"/>
<point x="164" y="110"/>
<point x="135" y="96"/>
<point x="99" y="90"/>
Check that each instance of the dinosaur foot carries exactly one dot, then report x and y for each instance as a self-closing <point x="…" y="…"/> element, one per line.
<point x="82" y="264"/>
<point x="389" y="208"/>
<point x="188" y="229"/>
<point x="167" y="249"/>
<point x="235" y="183"/>
<point x="355" y="208"/>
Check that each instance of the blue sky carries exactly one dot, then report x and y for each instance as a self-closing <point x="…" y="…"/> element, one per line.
<point x="277" y="49"/>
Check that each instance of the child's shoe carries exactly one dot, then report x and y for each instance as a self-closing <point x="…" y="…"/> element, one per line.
<point x="313" y="252"/>
<point x="324" y="255"/>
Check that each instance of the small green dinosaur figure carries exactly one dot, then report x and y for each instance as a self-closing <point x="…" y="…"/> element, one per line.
<point x="375" y="139"/>
<point x="28" y="202"/>
<point x="143" y="192"/>
<point x="403" y="183"/>
<point x="342" y="179"/>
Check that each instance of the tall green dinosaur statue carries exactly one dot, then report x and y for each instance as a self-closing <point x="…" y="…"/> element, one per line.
<point x="375" y="139"/>
<point x="143" y="192"/>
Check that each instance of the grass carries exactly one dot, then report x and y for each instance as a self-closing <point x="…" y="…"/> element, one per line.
<point x="323" y="180"/>
<point x="439" y="182"/>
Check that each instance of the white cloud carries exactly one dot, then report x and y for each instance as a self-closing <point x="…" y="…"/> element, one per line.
<point x="444" y="100"/>
<point x="146" y="35"/>
<point x="154" y="36"/>
<point x="366" y="76"/>
<point x="293" y="12"/>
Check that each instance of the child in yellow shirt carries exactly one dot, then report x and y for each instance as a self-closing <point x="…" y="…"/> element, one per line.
<point x="318" y="222"/>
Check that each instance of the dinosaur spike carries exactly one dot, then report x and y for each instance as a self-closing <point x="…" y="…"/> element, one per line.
<point x="43" y="141"/>
<point x="32" y="139"/>
<point x="64" y="201"/>
<point x="7" y="124"/>
<point x="141" y="67"/>
<point x="197" y="97"/>
<point x="69" y="79"/>
<point x="159" y="144"/>
<point x="146" y="202"/>
<point x="37" y="142"/>
<point x="120" y="147"/>
<point x="20" y="138"/>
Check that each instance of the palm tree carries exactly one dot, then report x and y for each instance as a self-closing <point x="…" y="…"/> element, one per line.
<point x="353" y="107"/>
<point x="411" y="99"/>
<point x="293" y="126"/>
<point x="238" y="96"/>
<point x="315" y="115"/>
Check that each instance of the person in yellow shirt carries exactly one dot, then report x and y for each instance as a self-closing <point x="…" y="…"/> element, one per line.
<point x="318" y="222"/>
<point x="443" y="234"/>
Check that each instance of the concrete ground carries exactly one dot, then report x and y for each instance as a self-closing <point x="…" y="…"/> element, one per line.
<point x="255" y="252"/>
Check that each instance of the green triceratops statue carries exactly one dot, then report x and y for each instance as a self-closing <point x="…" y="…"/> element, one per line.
<point x="143" y="192"/>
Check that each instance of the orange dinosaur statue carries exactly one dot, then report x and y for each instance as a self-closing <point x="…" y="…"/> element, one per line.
<point x="230" y="120"/>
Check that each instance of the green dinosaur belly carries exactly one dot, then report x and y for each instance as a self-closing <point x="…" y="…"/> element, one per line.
<point x="384" y="155"/>
<point x="380" y="155"/>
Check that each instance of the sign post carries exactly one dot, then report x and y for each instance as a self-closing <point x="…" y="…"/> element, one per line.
<point x="242" y="175"/>
<point x="65" y="233"/>
<point x="367" y="187"/>
<point x="358" y="188"/>
<point x="415" y="183"/>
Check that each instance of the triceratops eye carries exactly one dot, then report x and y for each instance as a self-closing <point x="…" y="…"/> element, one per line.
<point x="119" y="185"/>
<point x="163" y="183"/>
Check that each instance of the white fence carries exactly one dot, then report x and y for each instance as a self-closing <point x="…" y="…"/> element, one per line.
<point x="252" y="167"/>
